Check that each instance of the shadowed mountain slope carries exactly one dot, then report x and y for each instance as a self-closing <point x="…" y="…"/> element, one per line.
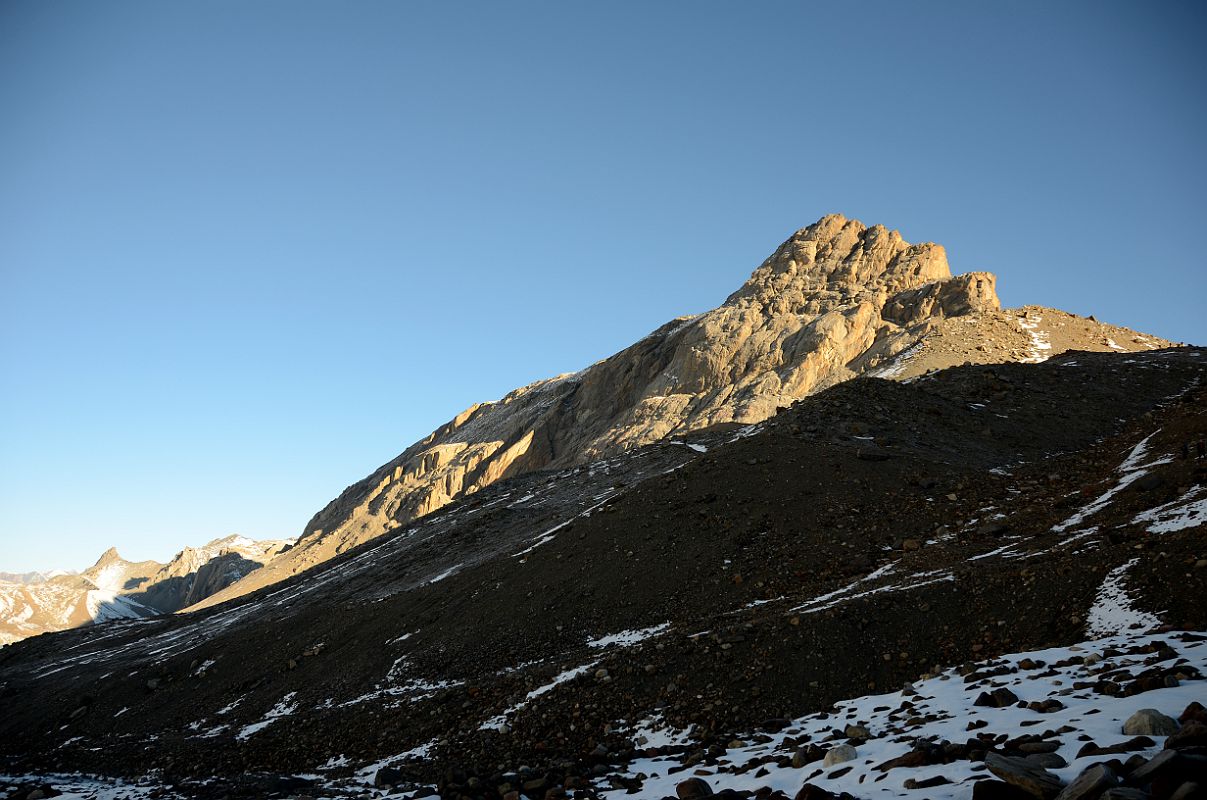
<point x="715" y="583"/>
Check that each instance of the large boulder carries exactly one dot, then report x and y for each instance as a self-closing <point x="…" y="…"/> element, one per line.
<point x="1150" y="722"/>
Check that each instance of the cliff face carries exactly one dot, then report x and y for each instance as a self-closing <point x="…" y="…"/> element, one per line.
<point x="834" y="301"/>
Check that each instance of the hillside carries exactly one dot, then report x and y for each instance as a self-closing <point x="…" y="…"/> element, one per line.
<point x="709" y="588"/>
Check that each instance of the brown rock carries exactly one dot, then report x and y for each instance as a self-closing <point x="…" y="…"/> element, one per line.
<point x="1165" y="762"/>
<point x="1019" y="772"/>
<point x="1149" y="722"/>
<point x="1192" y="735"/>
<point x="1195" y="712"/>
<point x="1124" y="793"/>
<point x="1090" y="783"/>
<point x="692" y="788"/>
<point x="1190" y="790"/>
<point x="812" y="792"/>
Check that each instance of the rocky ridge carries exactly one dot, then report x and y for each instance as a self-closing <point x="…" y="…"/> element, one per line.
<point x="836" y="300"/>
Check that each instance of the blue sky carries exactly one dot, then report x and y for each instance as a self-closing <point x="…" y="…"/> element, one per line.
<point x="251" y="250"/>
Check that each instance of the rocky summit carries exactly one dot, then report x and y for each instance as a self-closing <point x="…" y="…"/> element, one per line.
<point x="856" y="533"/>
<point x="837" y="300"/>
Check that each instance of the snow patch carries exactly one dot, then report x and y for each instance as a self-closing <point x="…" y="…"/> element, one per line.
<point x="281" y="709"/>
<point x="1130" y="471"/>
<point x="630" y="637"/>
<point x="445" y="574"/>
<point x="1188" y="511"/>
<point x="1113" y="611"/>
<point x="1041" y="346"/>
<point x="497" y="723"/>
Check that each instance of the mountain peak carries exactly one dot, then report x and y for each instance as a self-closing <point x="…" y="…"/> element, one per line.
<point x="838" y="299"/>
<point x="838" y="261"/>
<point x="110" y="556"/>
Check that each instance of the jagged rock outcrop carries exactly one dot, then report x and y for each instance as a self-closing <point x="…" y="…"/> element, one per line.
<point x="837" y="300"/>
<point x="114" y="588"/>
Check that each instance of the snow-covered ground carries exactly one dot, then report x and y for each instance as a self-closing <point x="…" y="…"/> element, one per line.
<point x="940" y="709"/>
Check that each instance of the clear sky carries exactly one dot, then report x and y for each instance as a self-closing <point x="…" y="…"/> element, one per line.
<point x="251" y="250"/>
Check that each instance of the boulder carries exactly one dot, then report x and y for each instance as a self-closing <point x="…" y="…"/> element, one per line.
<point x="692" y="788"/>
<point x="387" y="776"/>
<point x="839" y="754"/>
<point x="1195" y="712"/>
<point x="1047" y="760"/>
<point x="807" y="755"/>
<point x="1190" y="790"/>
<point x="1157" y="767"/>
<point x="1150" y="722"/>
<point x="1019" y="772"/>
<point x="857" y="732"/>
<point x="813" y="792"/>
<point x="1124" y="793"/>
<point x="1090" y="784"/>
<point x="1193" y="735"/>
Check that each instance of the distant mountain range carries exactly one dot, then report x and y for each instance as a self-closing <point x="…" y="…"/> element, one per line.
<point x="114" y="588"/>
<point x="33" y="577"/>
